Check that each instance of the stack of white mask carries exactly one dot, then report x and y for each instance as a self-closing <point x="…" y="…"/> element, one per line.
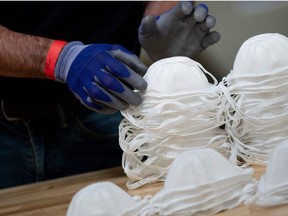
<point x="180" y="112"/>
<point x="257" y="95"/>
<point x="272" y="189"/>
<point x="251" y="102"/>
<point x="199" y="182"/>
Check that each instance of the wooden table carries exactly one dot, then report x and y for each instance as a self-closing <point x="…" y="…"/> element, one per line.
<point x="51" y="198"/>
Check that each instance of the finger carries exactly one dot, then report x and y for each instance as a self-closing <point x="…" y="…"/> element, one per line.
<point x="208" y="23"/>
<point x="200" y="12"/>
<point x="127" y="95"/>
<point x="147" y="26"/>
<point x="130" y="97"/>
<point x="130" y="60"/>
<point x="103" y="109"/>
<point x="124" y="73"/>
<point x="95" y="92"/>
<point x="110" y="86"/>
<point x="183" y="9"/>
<point x="109" y="79"/>
<point x="180" y="11"/>
<point x="97" y="107"/>
<point x="136" y="81"/>
<point x="210" y="39"/>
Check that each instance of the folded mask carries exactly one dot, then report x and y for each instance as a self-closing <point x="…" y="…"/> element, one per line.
<point x="103" y="199"/>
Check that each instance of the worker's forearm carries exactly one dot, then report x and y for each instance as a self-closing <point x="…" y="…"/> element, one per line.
<point x="22" y="55"/>
<point x="156" y="8"/>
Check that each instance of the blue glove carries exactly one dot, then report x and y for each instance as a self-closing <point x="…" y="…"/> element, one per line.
<point x="181" y="31"/>
<point x="101" y="76"/>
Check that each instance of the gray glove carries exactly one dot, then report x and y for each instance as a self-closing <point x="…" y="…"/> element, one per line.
<point x="181" y="31"/>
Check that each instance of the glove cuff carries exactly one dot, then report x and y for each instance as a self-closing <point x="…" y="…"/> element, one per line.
<point x="52" y="56"/>
<point x="66" y="58"/>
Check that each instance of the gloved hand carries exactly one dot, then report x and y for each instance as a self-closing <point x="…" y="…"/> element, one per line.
<point x="101" y="76"/>
<point x="181" y="31"/>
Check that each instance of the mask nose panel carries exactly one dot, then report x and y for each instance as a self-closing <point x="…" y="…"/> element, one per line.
<point x="261" y="54"/>
<point x="175" y="76"/>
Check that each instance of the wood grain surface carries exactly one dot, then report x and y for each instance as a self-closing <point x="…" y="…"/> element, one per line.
<point x="51" y="198"/>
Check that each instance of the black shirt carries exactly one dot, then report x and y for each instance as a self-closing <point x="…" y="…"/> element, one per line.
<point x="86" y="21"/>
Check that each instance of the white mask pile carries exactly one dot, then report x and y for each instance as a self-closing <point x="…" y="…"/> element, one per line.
<point x="257" y="119"/>
<point x="272" y="189"/>
<point x="180" y="112"/>
<point x="200" y="181"/>
<point x="174" y="134"/>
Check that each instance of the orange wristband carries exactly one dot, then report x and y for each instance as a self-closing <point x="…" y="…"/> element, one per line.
<point x="52" y="56"/>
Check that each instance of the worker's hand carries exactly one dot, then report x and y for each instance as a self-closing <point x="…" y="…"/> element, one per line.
<point x="102" y="76"/>
<point x="182" y="31"/>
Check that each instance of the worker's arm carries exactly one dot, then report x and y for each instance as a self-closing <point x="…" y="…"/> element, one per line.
<point x="155" y="8"/>
<point x="22" y="55"/>
<point x="102" y="76"/>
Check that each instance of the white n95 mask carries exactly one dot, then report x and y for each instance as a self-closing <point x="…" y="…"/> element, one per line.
<point x="200" y="182"/>
<point x="103" y="199"/>
<point x="180" y="112"/>
<point x="261" y="54"/>
<point x="272" y="189"/>
<point x="257" y="87"/>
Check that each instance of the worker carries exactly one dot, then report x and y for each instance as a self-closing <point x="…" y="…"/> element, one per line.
<point x="67" y="68"/>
